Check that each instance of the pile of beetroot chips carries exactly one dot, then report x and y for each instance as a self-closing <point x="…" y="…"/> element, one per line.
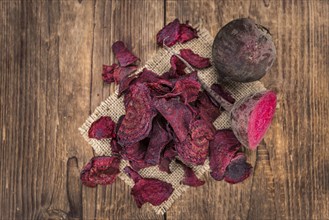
<point x="167" y="118"/>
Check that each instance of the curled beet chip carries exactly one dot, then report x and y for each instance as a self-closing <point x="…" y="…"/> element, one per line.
<point x="177" y="114"/>
<point x="177" y="65"/>
<point x="207" y="109"/>
<point x="159" y="138"/>
<point x="238" y="170"/>
<point x="169" y="34"/>
<point x="194" y="59"/>
<point x="149" y="190"/>
<point x="168" y="154"/>
<point x="115" y="147"/>
<point x="123" y="55"/>
<point x="137" y="122"/>
<point x="187" y="88"/>
<point x="121" y="72"/>
<point x="102" y="128"/>
<point x="222" y="150"/>
<point x="223" y="93"/>
<point x="108" y="73"/>
<point x="125" y="83"/>
<point x="100" y="171"/>
<point x="187" y="32"/>
<point x="190" y="179"/>
<point x="190" y="153"/>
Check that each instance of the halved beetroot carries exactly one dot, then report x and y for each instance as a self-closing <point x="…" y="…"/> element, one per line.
<point x="252" y="116"/>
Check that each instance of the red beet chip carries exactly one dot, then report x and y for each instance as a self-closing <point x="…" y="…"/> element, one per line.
<point x="107" y="75"/>
<point x="115" y="147"/>
<point x="223" y="93"/>
<point x="177" y="65"/>
<point x="100" y="171"/>
<point x="187" y="88"/>
<point x="149" y="190"/>
<point x="125" y="83"/>
<point x="137" y="122"/>
<point x="102" y="128"/>
<point x="121" y="72"/>
<point x="167" y="156"/>
<point x="202" y="132"/>
<point x="194" y="59"/>
<point x="207" y="109"/>
<point x="238" y="170"/>
<point x="187" y="32"/>
<point x="134" y="151"/>
<point x="190" y="153"/>
<point x="222" y="150"/>
<point x="190" y="179"/>
<point x="169" y="34"/>
<point x="177" y="114"/>
<point x="159" y="138"/>
<point x="123" y="55"/>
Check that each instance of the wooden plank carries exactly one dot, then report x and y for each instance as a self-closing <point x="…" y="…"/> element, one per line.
<point x="290" y="181"/>
<point x="135" y="23"/>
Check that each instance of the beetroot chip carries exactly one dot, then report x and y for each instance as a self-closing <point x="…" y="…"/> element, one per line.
<point x="222" y="93"/>
<point x="123" y="55"/>
<point x="238" y="170"/>
<point x="100" y="171"/>
<point x="190" y="153"/>
<point x="159" y="138"/>
<point x="169" y="34"/>
<point x="115" y="147"/>
<point x="137" y="122"/>
<point x="134" y="151"/>
<point x="194" y="59"/>
<point x="177" y="65"/>
<point x="121" y="72"/>
<point x="167" y="156"/>
<point x="148" y="76"/>
<point x="177" y="114"/>
<point x="190" y="179"/>
<point x="164" y="164"/>
<point x="124" y="84"/>
<point x="222" y="150"/>
<point x="187" y="32"/>
<point x="102" y="128"/>
<point x="149" y="190"/>
<point x="107" y="75"/>
<point x="207" y="109"/>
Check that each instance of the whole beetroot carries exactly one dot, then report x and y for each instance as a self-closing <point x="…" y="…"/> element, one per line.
<point x="243" y="51"/>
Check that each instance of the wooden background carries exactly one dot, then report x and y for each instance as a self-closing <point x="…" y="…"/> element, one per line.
<point x="51" y="59"/>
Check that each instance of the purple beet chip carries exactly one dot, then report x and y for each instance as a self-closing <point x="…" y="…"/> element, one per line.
<point x="102" y="128"/>
<point x="238" y="169"/>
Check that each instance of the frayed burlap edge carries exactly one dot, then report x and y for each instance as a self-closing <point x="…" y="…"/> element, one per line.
<point x="113" y="107"/>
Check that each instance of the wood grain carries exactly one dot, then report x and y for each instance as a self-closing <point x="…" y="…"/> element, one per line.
<point x="50" y="63"/>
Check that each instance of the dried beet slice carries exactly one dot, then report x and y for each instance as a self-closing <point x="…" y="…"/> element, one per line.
<point x="190" y="153"/>
<point x="194" y="59"/>
<point x="102" y="128"/>
<point x="169" y="34"/>
<point x="207" y="109"/>
<point x="125" y="83"/>
<point x="164" y="165"/>
<point x="100" y="171"/>
<point x="177" y="114"/>
<point x="159" y="138"/>
<point x="238" y="170"/>
<point x="148" y="76"/>
<point x="149" y="190"/>
<point x="177" y="65"/>
<point x="222" y="150"/>
<point x="121" y="72"/>
<point x="108" y="71"/>
<point x="190" y="179"/>
<point x="186" y="88"/>
<point x="223" y="93"/>
<point x="202" y="132"/>
<point x="134" y="151"/>
<point x="123" y="55"/>
<point x="137" y="123"/>
<point x="115" y="147"/>
<point x="187" y="32"/>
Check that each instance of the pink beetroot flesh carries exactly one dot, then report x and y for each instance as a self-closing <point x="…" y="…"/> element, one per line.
<point x="261" y="118"/>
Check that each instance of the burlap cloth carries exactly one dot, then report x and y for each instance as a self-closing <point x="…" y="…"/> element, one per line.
<point x="114" y="108"/>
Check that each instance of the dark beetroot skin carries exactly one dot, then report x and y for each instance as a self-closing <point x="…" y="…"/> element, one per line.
<point x="243" y="51"/>
<point x="252" y="116"/>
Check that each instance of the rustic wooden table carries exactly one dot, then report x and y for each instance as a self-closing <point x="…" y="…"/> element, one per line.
<point x="51" y="59"/>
